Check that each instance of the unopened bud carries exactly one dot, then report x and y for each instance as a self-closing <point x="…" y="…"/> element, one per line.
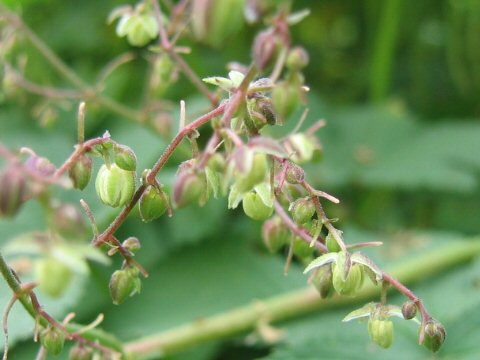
<point x="40" y="165"/>
<point x="347" y="282"/>
<point x="190" y="186"/>
<point x="12" y="191"/>
<point x="52" y="339"/>
<point x="52" y="276"/>
<point x="123" y="283"/>
<point x="264" y="47"/>
<point x="114" y="186"/>
<point x="80" y="352"/>
<point x="152" y="204"/>
<point x="255" y="208"/>
<point x="409" y="310"/>
<point x="434" y="335"/>
<point x="81" y="172"/>
<point x="332" y="243"/>
<point x="302" y="210"/>
<point x="124" y="157"/>
<point x="285" y="98"/>
<point x="297" y="58"/>
<point x="132" y="244"/>
<point x="295" y="174"/>
<point x="322" y="280"/>
<point x="381" y="332"/>
<point x="256" y="174"/>
<point x="275" y="234"/>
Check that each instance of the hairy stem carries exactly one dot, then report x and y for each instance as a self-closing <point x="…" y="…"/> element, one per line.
<point x="292" y="305"/>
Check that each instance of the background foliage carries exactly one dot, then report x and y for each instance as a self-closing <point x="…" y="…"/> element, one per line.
<point x="401" y="148"/>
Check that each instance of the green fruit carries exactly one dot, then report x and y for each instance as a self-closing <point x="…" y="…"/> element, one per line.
<point x="302" y="249"/>
<point x="351" y="283"/>
<point x="381" y="332"/>
<point x="152" y="204"/>
<point x="52" y="276"/>
<point x="322" y="280"/>
<point x="52" y="339"/>
<point x="275" y="234"/>
<point x="123" y="284"/>
<point x="115" y="187"/>
<point x="81" y="172"/>
<point x="255" y="208"/>
<point x="302" y="210"/>
<point x="255" y="176"/>
<point x="125" y="158"/>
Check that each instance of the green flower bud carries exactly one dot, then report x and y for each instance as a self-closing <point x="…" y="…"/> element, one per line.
<point x="255" y="208"/>
<point x="381" y="332"/>
<point x="302" y="249"/>
<point x="80" y="352"/>
<point x="139" y="29"/>
<point x="216" y="20"/>
<point x="114" y="186"/>
<point x="285" y="98"/>
<point x="12" y="191"/>
<point x="301" y="147"/>
<point x="332" y="244"/>
<point x="52" y="339"/>
<point x="295" y="174"/>
<point x="52" y="276"/>
<point x="255" y="176"/>
<point x="124" y="283"/>
<point x="434" y="335"/>
<point x="275" y="234"/>
<point x="351" y="283"/>
<point x="81" y="172"/>
<point x="322" y="280"/>
<point x="217" y="163"/>
<point x="125" y="157"/>
<point x="132" y="244"/>
<point x="409" y="310"/>
<point x="297" y="58"/>
<point x="152" y="204"/>
<point x="302" y="210"/>
<point x="190" y="186"/>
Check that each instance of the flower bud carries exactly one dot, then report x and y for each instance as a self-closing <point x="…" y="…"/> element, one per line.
<point x="80" y="352"/>
<point x="409" y="310"/>
<point x="285" y="98"/>
<point x="152" y="204"/>
<point x="256" y="174"/>
<point x="52" y="339"/>
<point x="52" y="276"/>
<point x="114" y="186"/>
<point x="347" y="284"/>
<point x="322" y="280"/>
<point x="217" y="163"/>
<point x="381" y="332"/>
<point x="190" y="186"/>
<point x="40" y="165"/>
<point x="12" y="191"/>
<point x="301" y="147"/>
<point x="301" y="248"/>
<point x="132" y="244"/>
<point x="125" y="157"/>
<point x="81" y="172"/>
<point x="216" y="20"/>
<point x="331" y="243"/>
<point x="67" y="220"/>
<point x="255" y="208"/>
<point x="297" y="58"/>
<point x="264" y="48"/>
<point x="275" y="234"/>
<point x="434" y="335"/>
<point x="302" y="210"/>
<point x="295" y="174"/>
<point x="139" y="29"/>
<point x="123" y="283"/>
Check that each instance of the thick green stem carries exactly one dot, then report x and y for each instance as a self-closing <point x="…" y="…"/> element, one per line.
<point x="292" y="305"/>
<point x="384" y="48"/>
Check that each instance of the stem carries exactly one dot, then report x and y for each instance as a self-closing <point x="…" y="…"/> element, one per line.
<point x="94" y="338"/>
<point x="291" y="305"/>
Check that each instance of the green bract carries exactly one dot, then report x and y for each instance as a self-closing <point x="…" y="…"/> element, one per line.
<point x="114" y="186"/>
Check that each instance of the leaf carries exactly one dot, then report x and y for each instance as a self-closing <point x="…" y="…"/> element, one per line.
<point x="321" y="260"/>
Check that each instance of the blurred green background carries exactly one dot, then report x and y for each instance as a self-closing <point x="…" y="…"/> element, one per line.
<point x="398" y="83"/>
